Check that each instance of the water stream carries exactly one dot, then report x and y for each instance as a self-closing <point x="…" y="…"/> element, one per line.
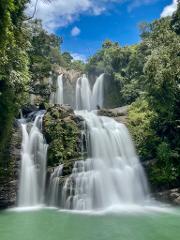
<point x="53" y="190"/>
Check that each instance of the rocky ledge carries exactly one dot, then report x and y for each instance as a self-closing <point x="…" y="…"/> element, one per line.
<point x="119" y="114"/>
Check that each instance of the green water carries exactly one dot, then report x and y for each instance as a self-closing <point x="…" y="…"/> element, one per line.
<point x="52" y="225"/>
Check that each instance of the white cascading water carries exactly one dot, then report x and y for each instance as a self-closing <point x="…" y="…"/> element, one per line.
<point x="87" y="99"/>
<point x="33" y="164"/>
<point x="59" y="90"/>
<point x="98" y="93"/>
<point x="83" y="93"/>
<point x="53" y="192"/>
<point x="112" y="174"/>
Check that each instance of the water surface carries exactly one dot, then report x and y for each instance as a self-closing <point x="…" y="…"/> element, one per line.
<point x="52" y="225"/>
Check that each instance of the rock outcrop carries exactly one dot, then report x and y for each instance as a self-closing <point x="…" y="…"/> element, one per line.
<point x="119" y="114"/>
<point x="69" y="83"/>
<point x="9" y="179"/>
<point x="169" y="196"/>
<point x="62" y="130"/>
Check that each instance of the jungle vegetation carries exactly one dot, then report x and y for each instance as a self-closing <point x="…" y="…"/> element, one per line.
<point x="145" y="76"/>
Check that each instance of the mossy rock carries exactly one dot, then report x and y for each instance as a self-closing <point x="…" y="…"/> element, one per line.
<point x="62" y="129"/>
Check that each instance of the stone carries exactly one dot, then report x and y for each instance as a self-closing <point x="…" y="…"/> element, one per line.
<point x="177" y="200"/>
<point x="27" y="109"/>
<point x="171" y="196"/>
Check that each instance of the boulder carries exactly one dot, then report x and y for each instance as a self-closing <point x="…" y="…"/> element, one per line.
<point x="28" y="108"/>
<point x="169" y="196"/>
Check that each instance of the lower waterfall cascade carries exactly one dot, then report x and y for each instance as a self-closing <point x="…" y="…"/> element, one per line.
<point x="33" y="164"/>
<point x="53" y="189"/>
<point x="111" y="175"/>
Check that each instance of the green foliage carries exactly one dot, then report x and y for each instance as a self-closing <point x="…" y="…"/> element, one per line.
<point x="165" y="171"/>
<point x="44" y="52"/>
<point x="67" y="57"/>
<point x="70" y="63"/>
<point x="78" y="66"/>
<point x="123" y="67"/>
<point x="14" y="74"/>
<point x="161" y="79"/>
<point x="175" y="22"/>
<point x="62" y="135"/>
<point x="140" y="119"/>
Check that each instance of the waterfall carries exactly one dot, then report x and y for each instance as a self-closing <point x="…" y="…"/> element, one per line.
<point x="98" y="93"/>
<point x="83" y="93"/>
<point x="87" y="99"/>
<point x="111" y="175"/>
<point x="33" y="164"/>
<point x="52" y="98"/>
<point x="59" y="90"/>
<point x="53" y="193"/>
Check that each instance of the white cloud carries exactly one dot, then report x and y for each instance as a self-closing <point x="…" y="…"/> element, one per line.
<point x="138" y="3"/>
<point x="78" y="56"/>
<point x="168" y="10"/>
<point x="75" y="31"/>
<point x="60" y="13"/>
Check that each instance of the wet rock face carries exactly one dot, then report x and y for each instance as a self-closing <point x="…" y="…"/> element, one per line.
<point x="27" y="109"/>
<point x="169" y="196"/>
<point x="9" y="179"/>
<point x="8" y="194"/>
<point x="40" y="89"/>
<point x="62" y="130"/>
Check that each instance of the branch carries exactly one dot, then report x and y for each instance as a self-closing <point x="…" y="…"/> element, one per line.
<point x="35" y="9"/>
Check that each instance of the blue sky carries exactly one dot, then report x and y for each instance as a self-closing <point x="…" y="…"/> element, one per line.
<point x="85" y="24"/>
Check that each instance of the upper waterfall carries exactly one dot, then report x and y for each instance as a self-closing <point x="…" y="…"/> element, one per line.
<point x="98" y="93"/>
<point x="59" y="90"/>
<point x="83" y="93"/>
<point x="87" y="99"/>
